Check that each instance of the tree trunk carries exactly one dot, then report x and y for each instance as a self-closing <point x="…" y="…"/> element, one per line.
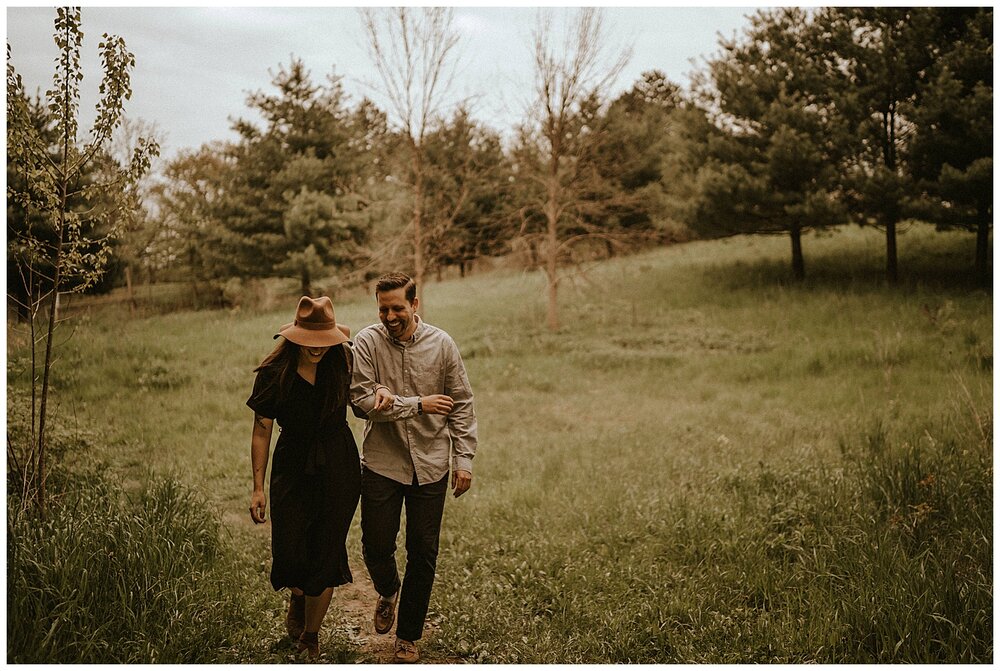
<point x="418" y="257"/>
<point x="306" y="284"/>
<point x="129" y="292"/>
<point x="461" y="269"/>
<point x="33" y="465"/>
<point x="798" y="262"/>
<point x="416" y="160"/>
<point x="54" y="306"/>
<point x="983" y="249"/>
<point x="552" y="313"/>
<point x="552" y="271"/>
<point x="892" y="214"/>
<point x="195" y="293"/>
<point x="47" y="361"/>
<point x="891" y="268"/>
<point x="533" y="256"/>
<point x="552" y="235"/>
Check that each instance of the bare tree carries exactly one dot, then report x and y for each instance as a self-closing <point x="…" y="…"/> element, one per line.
<point x="414" y="51"/>
<point x="560" y="139"/>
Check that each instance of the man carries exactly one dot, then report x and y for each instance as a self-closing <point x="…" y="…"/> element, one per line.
<point x="412" y="436"/>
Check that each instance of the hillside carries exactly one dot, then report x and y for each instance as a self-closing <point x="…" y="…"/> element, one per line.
<point x="708" y="463"/>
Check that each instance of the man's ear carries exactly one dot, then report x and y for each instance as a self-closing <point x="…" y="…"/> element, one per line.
<point x="415" y="303"/>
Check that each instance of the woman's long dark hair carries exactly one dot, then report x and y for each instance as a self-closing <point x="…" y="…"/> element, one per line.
<point x="331" y="372"/>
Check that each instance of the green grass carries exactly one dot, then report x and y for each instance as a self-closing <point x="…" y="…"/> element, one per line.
<point x="708" y="463"/>
<point x="131" y="574"/>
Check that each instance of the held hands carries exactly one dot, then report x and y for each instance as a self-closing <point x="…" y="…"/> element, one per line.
<point x="258" y="506"/>
<point x="437" y="404"/>
<point x="384" y="398"/>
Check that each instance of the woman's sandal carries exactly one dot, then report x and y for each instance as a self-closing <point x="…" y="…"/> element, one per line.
<point x="309" y="642"/>
<point x="295" y="621"/>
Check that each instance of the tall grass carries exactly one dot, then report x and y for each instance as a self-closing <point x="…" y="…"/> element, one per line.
<point x="106" y="579"/>
<point x="708" y="463"/>
<point x="132" y="573"/>
<point x="886" y="557"/>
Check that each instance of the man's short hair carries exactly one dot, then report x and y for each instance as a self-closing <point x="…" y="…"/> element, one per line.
<point x="393" y="281"/>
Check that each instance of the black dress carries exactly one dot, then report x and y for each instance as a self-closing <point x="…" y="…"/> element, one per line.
<point x="315" y="481"/>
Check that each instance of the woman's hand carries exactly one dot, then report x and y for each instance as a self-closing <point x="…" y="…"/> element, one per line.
<point x="384" y="398"/>
<point x="258" y="506"/>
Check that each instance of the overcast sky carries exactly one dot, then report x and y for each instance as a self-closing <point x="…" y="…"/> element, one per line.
<point x="195" y="65"/>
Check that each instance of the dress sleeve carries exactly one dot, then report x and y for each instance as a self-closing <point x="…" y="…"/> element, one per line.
<point x="264" y="397"/>
<point x="349" y="357"/>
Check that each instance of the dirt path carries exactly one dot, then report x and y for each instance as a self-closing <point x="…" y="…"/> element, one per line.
<point x="351" y="616"/>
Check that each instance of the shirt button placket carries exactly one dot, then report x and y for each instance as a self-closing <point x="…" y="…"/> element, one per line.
<point x="406" y="391"/>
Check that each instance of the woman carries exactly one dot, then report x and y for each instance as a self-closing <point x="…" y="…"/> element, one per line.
<point x="316" y="473"/>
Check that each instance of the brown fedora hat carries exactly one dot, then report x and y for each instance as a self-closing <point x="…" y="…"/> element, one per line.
<point x="315" y="324"/>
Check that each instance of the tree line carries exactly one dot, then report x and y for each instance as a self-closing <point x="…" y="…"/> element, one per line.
<point x="809" y="119"/>
<point x="865" y="115"/>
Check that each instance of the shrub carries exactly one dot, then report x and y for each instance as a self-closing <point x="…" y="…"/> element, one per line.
<point x="113" y="579"/>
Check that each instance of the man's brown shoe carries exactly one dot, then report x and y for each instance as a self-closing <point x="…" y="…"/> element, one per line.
<point x="406" y="652"/>
<point x="385" y="613"/>
<point x="295" y="621"/>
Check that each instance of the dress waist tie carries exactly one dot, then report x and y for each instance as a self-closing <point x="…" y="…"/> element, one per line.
<point x="316" y="458"/>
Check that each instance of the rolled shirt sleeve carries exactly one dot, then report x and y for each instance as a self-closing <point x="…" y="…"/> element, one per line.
<point x="364" y="382"/>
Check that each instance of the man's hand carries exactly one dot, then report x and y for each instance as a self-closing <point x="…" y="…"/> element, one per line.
<point x="460" y="482"/>
<point x="384" y="399"/>
<point x="258" y="506"/>
<point x="437" y="404"/>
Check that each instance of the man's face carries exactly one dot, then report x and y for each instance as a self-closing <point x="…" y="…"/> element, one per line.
<point x="396" y="313"/>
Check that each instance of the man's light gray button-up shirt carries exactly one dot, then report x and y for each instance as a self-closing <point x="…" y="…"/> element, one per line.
<point x="398" y="442"/>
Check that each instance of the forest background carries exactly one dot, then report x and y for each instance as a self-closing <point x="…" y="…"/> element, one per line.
<point x="870" y="126"/>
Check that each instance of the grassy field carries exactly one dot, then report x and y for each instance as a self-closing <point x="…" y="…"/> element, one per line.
<point x="708" y="463"/>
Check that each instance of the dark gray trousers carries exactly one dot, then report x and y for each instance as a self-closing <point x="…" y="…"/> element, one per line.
<point x="382" y="500"/>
